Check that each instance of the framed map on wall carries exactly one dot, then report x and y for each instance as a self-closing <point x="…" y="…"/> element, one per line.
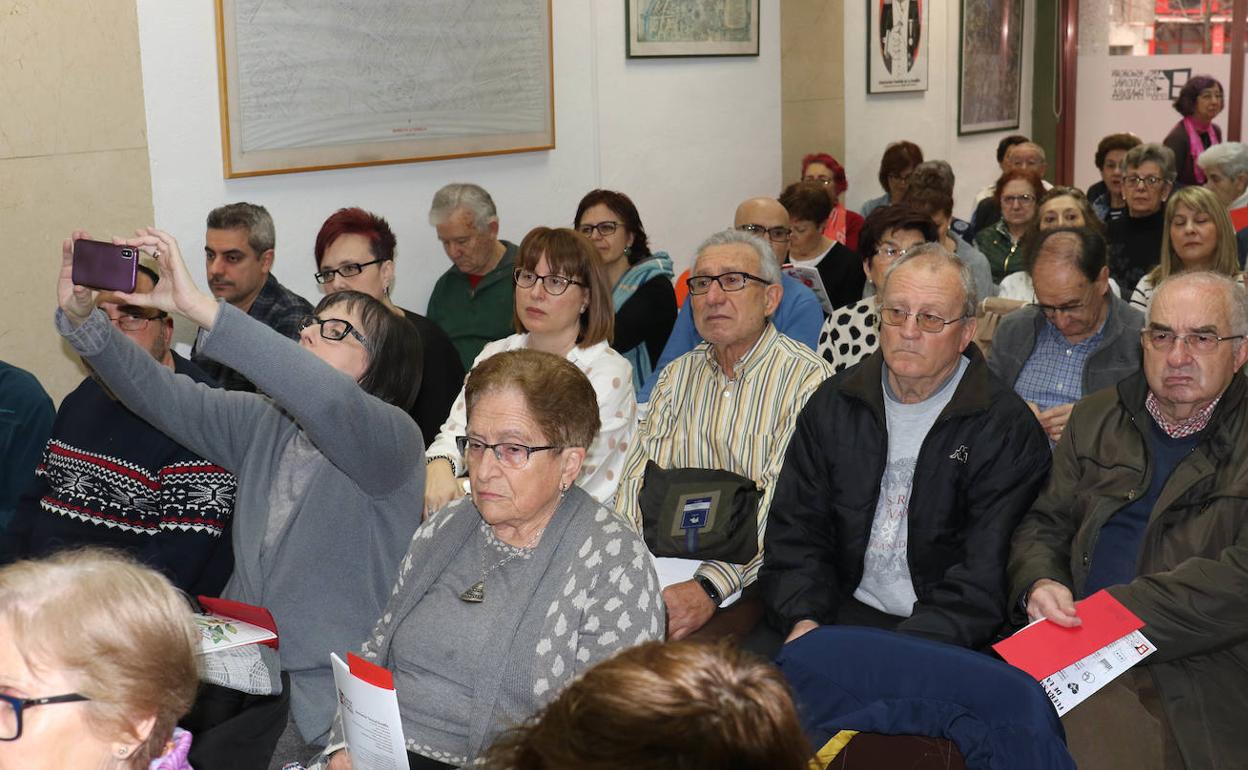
<point x="335" y="83"/>
<point x="990" y="55"/>
<point x="662" y="28"/>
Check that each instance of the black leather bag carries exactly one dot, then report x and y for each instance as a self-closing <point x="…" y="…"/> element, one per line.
<point x="699" y="513"/>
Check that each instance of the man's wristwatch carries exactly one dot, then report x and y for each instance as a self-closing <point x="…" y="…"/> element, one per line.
<point x="710" y="589"/>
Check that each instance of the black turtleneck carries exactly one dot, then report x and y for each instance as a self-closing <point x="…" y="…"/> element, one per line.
<point x="1134" y="248"/>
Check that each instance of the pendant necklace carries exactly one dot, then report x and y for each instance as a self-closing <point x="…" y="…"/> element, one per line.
<point x="476" y="593"/>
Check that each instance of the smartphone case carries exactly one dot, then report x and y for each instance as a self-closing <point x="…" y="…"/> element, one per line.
<point x="105" y="266"/>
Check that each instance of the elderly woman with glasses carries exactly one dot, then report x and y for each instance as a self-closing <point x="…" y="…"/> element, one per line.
<point x="355" y="251"/>
<point x="508" y="595"/>
<point x="1198" y="236"/>
<point x="563" y="307"/>
<point x="97" y="664"/>
<point x="843" y="225"/>
<point x="1017" y="193"/>
<point x="1135" y="240"/>
<point x="1199" y="102"/>
<point x="327" y="459"/>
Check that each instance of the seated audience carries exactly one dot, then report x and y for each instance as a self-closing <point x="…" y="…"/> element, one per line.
<point x="1078" y="337"/>
<point x="110" y="478"/>
<point x="472" y="301"/>
<point x="839" y="267"/>
<point x="510" y="594"/>
<point x="640" y="280"/>
<point x="1135" y="240"/>
<point x="328" y="462"/>
<point x="355" y="251"/>
<point x="799" y="315"/>
<point x="1106" y="196"/>
<point x="98" y="661"/>
<point x="1003" y="149"/>
<point x="896" y="164"/>
<point x="930" y="193"/>
<point x="851" y="333"/>
<point x="660" y="707"/>
<point x="1017" y="194"/>
<point x="29" y="415"/>
<point x="1027" y="157"/>
<point x="905" y="476"/>
<point x="1197" y="236"/>
<point x="944" y="172"/>
<point x="1059" y="207"/>
<point x="843" y="225"/>
<point x="239" y="247"/>
<point x="563" y="307"/>
<point x="728" y="404"/>
<point x="1146" y="501"/>
<point x="1226" y="173"/>
<point x="1199" y="102"/>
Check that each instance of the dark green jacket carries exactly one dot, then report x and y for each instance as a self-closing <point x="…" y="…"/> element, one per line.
<point x="1192" y="588"/>
<point x="473" y="318"/>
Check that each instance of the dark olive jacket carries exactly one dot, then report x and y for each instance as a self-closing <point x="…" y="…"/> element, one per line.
<point x="1192" y="588"/>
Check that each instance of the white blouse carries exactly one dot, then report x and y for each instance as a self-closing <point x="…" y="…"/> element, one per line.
<point x="612" y="377"/>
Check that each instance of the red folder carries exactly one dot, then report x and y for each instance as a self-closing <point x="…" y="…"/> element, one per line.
<point x="1044" y="648"/>
<point x="248" y="613"/>
<point x="369" y="672"/>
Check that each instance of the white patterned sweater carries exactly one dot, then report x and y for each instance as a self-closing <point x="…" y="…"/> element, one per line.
<point x="594" y="592"/>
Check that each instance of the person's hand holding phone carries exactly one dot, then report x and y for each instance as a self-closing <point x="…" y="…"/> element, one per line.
<point x="176" y="292"/>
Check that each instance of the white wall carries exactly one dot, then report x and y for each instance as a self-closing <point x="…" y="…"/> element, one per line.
<point x="687" y="139"/>
<point x="930" y="118"/>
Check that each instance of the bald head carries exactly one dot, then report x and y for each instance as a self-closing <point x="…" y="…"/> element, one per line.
<point x="767" y="215"/>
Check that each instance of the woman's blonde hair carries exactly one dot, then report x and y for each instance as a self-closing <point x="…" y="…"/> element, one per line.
<point x="117" y="629"/>
<point x="1203" y="201"/>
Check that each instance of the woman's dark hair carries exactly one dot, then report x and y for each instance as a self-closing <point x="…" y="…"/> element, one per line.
<point x="808" y="201"/>
<point x="356" y="221"/>
<point x="394" y="348"/>
<point x="623" y="207"/>
<point x="1186" y="103"/>
<point x="570" y="254"/>
<point x="885" y="219"/>
<point x="1113" y="142"/>
<point x="930" y="190"/>
<point x="898" y="157"/>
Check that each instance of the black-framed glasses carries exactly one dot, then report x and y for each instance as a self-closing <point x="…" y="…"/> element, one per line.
<point x="553" y="284"/>
<point x="735" y="281"/>
<point x="1017" y="200"/>
<point x="932" y="324"/>
<point x="1164" y="340"/>
<point x="135" y="321"/>
<point x="509" y="454"/>
<point x="604" y="229"/>
<point x="823" y="180"/>
<point x="774" y="234"/>
<point x="349" y="270"/>
<point x="1133" y="180"/>
<point x="333" y="328"/>
<point x="11" y="711"/>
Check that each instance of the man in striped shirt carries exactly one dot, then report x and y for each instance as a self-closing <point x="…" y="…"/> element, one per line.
<point x="730" y="404"/>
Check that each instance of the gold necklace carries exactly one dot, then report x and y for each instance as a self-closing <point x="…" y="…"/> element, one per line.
<point x="475" y="594"/>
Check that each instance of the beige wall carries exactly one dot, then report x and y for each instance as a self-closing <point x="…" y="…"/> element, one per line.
<point x="812" y="66"/>
<point x="73" y="154"/>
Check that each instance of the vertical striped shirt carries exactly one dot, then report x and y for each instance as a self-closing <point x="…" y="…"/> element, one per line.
<point x="699" y="418"/>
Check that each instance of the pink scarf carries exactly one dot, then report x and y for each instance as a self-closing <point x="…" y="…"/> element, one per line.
<point x="836" y="223"/>
<point x="1195" y="147"/>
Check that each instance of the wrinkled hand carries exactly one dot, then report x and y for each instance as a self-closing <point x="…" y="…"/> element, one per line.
<point x="176" y="292"/>
<point x="1053" y="601"/>
<point x="688" y="608"/>
<point x="441" y="486"/>
<point x="800" y="629"/>
<point x="1054" y="420"/>
<point x="76" y="302"/>
<point x="340" y="760"/>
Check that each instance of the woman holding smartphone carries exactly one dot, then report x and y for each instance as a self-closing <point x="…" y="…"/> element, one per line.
<point x="329" y="464"/>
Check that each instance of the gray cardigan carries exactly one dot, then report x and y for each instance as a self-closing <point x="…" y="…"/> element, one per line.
<point x="592" y="591"/>
<point x="328" y="576"/>
<point x="1114" y="359"/>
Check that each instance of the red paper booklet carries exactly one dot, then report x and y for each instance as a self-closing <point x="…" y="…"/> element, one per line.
<point x="256" y="625"/>
<point x="1044" y="648"/>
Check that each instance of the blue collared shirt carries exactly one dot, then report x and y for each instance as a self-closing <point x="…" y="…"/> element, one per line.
<point x="1053" y="374"/>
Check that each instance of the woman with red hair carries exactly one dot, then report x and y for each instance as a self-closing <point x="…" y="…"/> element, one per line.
<point x="843" y="225"/>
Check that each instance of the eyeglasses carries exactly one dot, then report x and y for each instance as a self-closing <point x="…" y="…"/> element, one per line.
<point x="346" y="271"/>
<point x="1017" y="200"/>
<point x="133" y="322"/>
<point x="775" y="234"/>
<point x="553" y="284"/>
<point x="701" y="284"/>
<point x="892" y="252"/>
<point x="1051" y="311"/>
<point x="11" y="711"/>
<point x="333" y="328"/>
<point x="932" y="324"/>
<point x="508" y="454"/>
<point x="899" y="177"/>
<point x="1163" y="341"/>
<point x="1133" y="180"/>
<point x="823" y="180"/>
<point x="604" y="229"/>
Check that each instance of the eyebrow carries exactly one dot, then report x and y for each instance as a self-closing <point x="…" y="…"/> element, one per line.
<point x="1206" y="329"/>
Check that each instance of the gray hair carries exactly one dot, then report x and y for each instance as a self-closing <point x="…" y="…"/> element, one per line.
<point x="469" y="197"/>
<point x="1160" y="154"/>
<point x="1031" y="146"/>
<point x="1233" y="295"/>
<point x="941" y="257"/>
<point x="768" y="268"/>
<point x="251" y="217"/>
<point x="1231" y="158"/>
<point x="939" y="168"/>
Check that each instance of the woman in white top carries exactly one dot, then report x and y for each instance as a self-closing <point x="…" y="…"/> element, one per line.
<point x="563" y="306"/>
<point x="1198" y="236"/>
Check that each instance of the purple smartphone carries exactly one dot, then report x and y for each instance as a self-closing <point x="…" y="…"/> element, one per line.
<point x="104" y="266"/>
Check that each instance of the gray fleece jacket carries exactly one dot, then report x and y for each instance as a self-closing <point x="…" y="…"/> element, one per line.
<point x="330" y="571"/>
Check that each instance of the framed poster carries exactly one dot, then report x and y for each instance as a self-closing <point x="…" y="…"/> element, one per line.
<point x="897" y="45"/>
<point x="664" y="28"/>
<point x="990" y="57"/>
<point x="336" y="83"/>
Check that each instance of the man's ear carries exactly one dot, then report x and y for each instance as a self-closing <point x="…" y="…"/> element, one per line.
<point x="773" y="293"/>
<point x="266" y="261"/>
